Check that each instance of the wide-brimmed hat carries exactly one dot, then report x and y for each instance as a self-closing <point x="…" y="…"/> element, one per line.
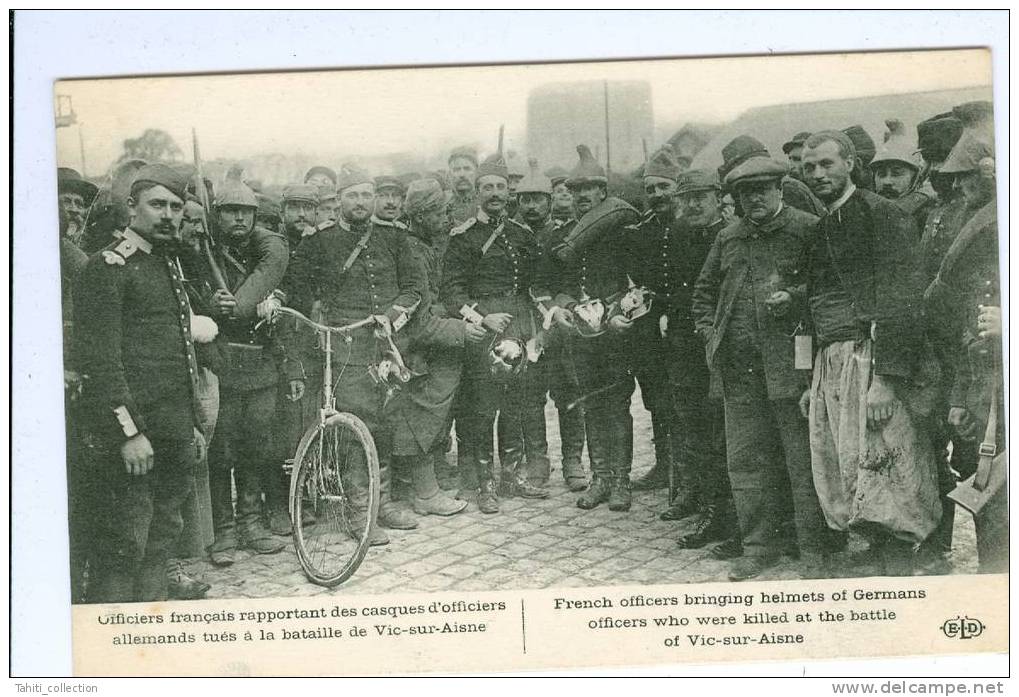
<point x="70" y="181"/>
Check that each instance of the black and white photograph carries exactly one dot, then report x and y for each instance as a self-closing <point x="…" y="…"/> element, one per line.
<point x="642" y="322"/>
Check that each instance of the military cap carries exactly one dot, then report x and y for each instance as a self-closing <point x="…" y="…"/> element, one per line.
<point x="320" y="169"/>
<point x="863" y="144"/>
<point x="974" y="151"/>
<point x="352" y="176"/>
<point x="424" y="195"/>
<point x="738" y="150"/>
<point x="935" y="137"/>
<point x="69" y="181"/>
<point x="385" y="181"/>
<point x="796" y="141"/>
<point x="235" y="193"/>
<point x="176" y="182"/>
<point x="897" y="149"/>
<point x="464" y="151"/>
<point x="300" y="192"/>
<point x="534" y="182"/>
<point x="587" y="170"/>
<point x="756" y="169"/>
<point x="493" y="165"/>
<point x="697" y="180"/>
<point x="663" y="164"/>
<point x="557" y="175"/>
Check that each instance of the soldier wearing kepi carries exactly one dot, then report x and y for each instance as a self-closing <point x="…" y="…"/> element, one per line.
<point x="749" y="305"/>
<point x="588" y="278"/>
<point x="423" y="412"/>
<point x="463" y="166"/>
<point x="133" y="342"/>
<point x="355" y="269"/>
<point x="389" y="193"/>
<point x="253" y="261"/>
<point x="490" y="265"/>
<point x="661" y="260"/>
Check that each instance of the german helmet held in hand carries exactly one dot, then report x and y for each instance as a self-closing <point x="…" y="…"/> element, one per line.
<point x="507" y="357"/>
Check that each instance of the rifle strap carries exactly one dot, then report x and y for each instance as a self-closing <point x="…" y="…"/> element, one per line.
<point x="988" y="449"/>
<point x="358" y="248"/>
<point x="491" y="238"/>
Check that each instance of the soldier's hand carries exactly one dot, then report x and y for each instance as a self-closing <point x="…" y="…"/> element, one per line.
<point x="962" y="421"/>
<point x="881" y="402"/>
<point x="385" y="327"/>
<point x="779" y="302"/>
<point x="989" y="322"/>
<point x="805" y="404"/>
<point x="200" y="446"/>
<point x="268" y="307"/>
<point x="563" y="317"/>
<point x="296" y="390"/>
<point x="497" y="322"/>
<point x="137" y="454"/>
<point x="620" y="323"/>
<point x="474" y="333"/>
<point x="224" y="302"/>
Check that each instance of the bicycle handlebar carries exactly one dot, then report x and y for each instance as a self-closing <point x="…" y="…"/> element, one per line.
<point x="345" y="329"/>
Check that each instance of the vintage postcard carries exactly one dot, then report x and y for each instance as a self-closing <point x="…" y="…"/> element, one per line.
<point x="536" y="366"/>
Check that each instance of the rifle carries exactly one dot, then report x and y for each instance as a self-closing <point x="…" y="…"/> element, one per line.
<point x="206" y="241"/>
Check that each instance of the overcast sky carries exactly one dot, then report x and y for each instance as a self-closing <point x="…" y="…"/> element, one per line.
<point x="357" y="113"/>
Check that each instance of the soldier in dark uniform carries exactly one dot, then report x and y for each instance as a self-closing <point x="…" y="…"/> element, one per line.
<point x="535" y="193"/>
<point x="597" y="359"/>
<point x="253" y="261"/>
<point x="966" y="297"/>
<point x="936" y="137"/>
<point x="301" y="355"/>
<point x="358" y="268"/>
<point x="748" y="302"/>
<point x="133" y="342"/>
<point x="490" y="265"/>
<point x="423" y="410"/>
<point x="562" y="199"/>
<point x="389" y="193"/>
<point x="656" y="255"/>
<point x="463" y="167"/>
<point x="75" y="196"/>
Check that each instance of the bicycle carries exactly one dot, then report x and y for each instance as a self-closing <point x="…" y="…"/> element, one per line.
<point x="335" y="473"/>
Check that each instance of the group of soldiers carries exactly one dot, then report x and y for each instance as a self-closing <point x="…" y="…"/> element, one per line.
<point x="815" y="336"/>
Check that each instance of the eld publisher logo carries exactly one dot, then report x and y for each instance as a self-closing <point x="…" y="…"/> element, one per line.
<point x="962" y="628"/>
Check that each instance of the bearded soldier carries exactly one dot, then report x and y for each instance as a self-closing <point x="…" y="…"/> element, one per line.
<point x="588" y="278"/>
<point x="357" y="268"/>
<point x="490" y="265"/>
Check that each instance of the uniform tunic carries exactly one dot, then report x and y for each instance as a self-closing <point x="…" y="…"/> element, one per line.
<point x="133" y="343"/>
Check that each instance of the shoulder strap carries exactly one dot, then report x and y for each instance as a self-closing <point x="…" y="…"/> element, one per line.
<point x="988" y="448"/>
<point x="358" y="248"/>
<point x="491" y="238"/>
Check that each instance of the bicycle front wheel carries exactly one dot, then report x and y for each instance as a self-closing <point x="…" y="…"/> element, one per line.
<point x="334" y="497"/>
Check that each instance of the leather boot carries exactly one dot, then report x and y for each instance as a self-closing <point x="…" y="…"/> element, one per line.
<point x="536" y="446"/>
<point x="620" y="497"/>
<point x="658" y="476"/>
<point x="488" y="495"/>
<point x="513" y="481"/>
<point x="711" y="527"/>
<point x="427" y="497"/>
<point x="571" y="433"/>
<point x="597" y="493"/>
<point x="181" y="586"/>
<point x="223" y="551"/>
<point x="251" y="531"/>
<point x="445" y="472"/>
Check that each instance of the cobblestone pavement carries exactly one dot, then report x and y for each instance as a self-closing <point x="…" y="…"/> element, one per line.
<point x="529" y="544"/>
